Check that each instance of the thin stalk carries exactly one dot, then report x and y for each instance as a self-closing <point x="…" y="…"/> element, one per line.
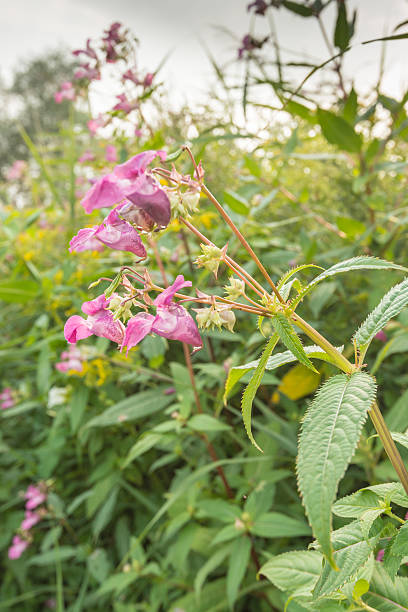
<point x="242" y="240"/>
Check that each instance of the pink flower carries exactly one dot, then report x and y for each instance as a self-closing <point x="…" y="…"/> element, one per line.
<point x="113" y="232"/>
<point x="110" y="153"/>
<point x="95" y="124"/>
<point x="249" y="43"/>
<point x="128" y="180"/>
<point x="124" y="104"/>
<point x="67" y="92"/>
<point x="70" y="360"/>
<point x="381" y="336"/>
<point x="172" y="320"/>
<point x="35" y="497"/>
<point x="86" y="156"/>
<point x="87" y="51"/>
<point x="131" y="75"/>
<point x="112" y="34"/>
<point x="138" y="132"/>
<point x="100" y="322"/>
<point x="85" y="71"/>
<point x="16" y="171"/>
<point x="18" y="547"/>
<point x="7" y="398"/>
<point x="111" y="53"/>
<point x="380" y="555"/>
<point x="31" y="519"/>
<point x="8" y="403"/>
<point x="148" y="80"/>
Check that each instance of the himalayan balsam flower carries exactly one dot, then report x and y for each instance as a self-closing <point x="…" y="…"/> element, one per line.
<point x="6" y="397"/>
<point x="85" y="71"/>
<point x="249" y="43"/>
<point x="95" y="124"/>
<point x="113" y="232"/>
<point x="380" y="555"/>
<point x="16" y="171"/>
<point x="99" y="322"/>
<point x="381" y="336"/>
<point x="87" y="51"/>
<point x="71" y="360"/>
<point x="172" y="320"/>
<point x="124" y="104"/>
<point x="17" y="548"/>
<point x="112" y="34"/>
<point x="86" y="156"/>
<point x="110" y="153"/>
<point x="31" y="519"/>
<point x="34" y="496"/>
<point x="67" y="92"/>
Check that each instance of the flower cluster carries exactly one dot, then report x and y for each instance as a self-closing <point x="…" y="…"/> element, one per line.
<point x="35" y="496"/>
<point x="66" y="92"/>
<point x="71" y="360"/>
<point x="249" y="44"/>
<point x="16" y="171"/>
<point x="6" y="398"/>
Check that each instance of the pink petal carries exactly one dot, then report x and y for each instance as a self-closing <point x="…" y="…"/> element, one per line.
<point x="165" y="298"/>
<point x="137" y="328"/>
<point x="174" y="322"/>
<point x="76" y="328"/>
<point x="94" y="306"/>
<point x="104" y="325"/>
<point x="105" y="192"/>
<point x="145" y="193"/>
<point x="118" y="234"/>
<point x="18" y="547"/>
<point x="135" y="166"/>
<point x="85" y="241"/>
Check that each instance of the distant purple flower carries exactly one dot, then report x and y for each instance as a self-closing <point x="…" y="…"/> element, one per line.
<point x="70" y="360"/>
<point x="381" y="336"/>
<point x="86" y="156"/>
<point x="172" y="320"/>
<point x="112" y="34"/>
<point x="124" y="104"/>
<point x="16" y="171"/>
<point x="380" y="555"/>
<point x="110" y="153"/>
<point x="249" y="43"/>
<point x="95" y="124"/>
<point x="130" y="75"/>
<point x="113" y="232"/>
<point x="34" y="496"/>
<point x="6" y="397"/>
<point x="99" y="322"/>
<point x="137" y="165"/>
<point x="31" y="519"/>
<point x="17" y="548"/>
<point x="87" y="51"/>
<point x="105" y="192"/>
<point x="67" y="92"/>
<point x="260" y="7"/>
<point x="148" y="80"/>
<point x="85" y="71"/>
<point x="148" y="196"/>
<point x="111" y="53"/>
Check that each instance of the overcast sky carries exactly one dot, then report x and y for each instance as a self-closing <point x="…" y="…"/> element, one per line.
<point x="30" y="27"/>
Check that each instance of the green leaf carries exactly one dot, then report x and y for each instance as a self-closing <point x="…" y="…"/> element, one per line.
<point x="277" y="525"/>
<point x="77" y="405"/>
<point x="350" y="107"/>
<point x="299" y="9"/>
<point x="342" y="31"/>
<point x="351" y="553"/>
<point x="330" y="433"/>
<point x="206" y="422"/>
<point x="295" y="572"/>
<point x="209" y="566"/>
<point x="353" y="506"/>
<point x="105" y="512"/>
<point x="62" y="553"/>
<point x="99" y="565"/>
<point x="236" y="203"/>
<point x="252" y="388"/>
<point x="145" y="443"/>
<point x="299" y="110"/>
<point x="219" y="509"/>
<point x="236" y="373"/>
<point x="360" y="588"/>
<point x="338" y="131"/>
<point x="385" y="594"/>
<point x="19" y="292"/>
<point x="390" y="306"/>
<point x="290" y="339"/>
<point x="237" y="566"/>
<point x="132" y="408"/>
<point x="396" y="550"/>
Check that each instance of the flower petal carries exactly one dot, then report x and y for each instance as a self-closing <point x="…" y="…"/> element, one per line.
<point x="76" y="328"/>
<point x="85" y="241"/>
<point x="137" y="328"/>
<point x="105" y="192"/>
<point x="117" y="233"/>
<point x="165" y="298"/>
<point x="174" y="322"/>
<point x="145" y="193"/>
<point x="135" y="166"/>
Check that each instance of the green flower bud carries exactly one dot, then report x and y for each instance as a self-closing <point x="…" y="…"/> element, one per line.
<point x="210" y="259"/>
<point x="235" y="289"/>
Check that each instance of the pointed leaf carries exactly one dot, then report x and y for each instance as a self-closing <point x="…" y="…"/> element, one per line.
<point x="277" y="525"/>
<point x="330" y="433"/>
<point x="390" y="306"/>
<point x="396" y="550"/>
<point x="385" y="594"/>
<point x="338" y="131"/>
<point x="295" y="572"/>
<point x="252" y="387"/>
<point x="291" y="340"/>
<point x="132" y="408"/>
<point x="237" y="567"/>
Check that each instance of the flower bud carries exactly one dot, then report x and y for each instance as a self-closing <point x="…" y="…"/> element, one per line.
<point x="228" y="319"/>
<point x="211" y="258"/>
<point x="235" y="289"/>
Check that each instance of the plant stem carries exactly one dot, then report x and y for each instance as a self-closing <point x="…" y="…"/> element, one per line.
<point x="242" y="240"/>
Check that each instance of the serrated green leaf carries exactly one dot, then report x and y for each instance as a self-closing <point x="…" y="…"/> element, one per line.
<point x="206" y="422"/>
<point x="390" y="306"/>
<point x="252" y="387"/>
<point x="353" y="506"/>
<point x="330" y="433"/>
<point x="290" y="339"/>
<point x="351" y="553"/>
<point x="349" y="265"/>
<point x="237" y="566"/>
<point x="385" y="594"/>
<point x="295" y="572"/>
<point x="396" y="550"/>
<point x="294" y="271"/>
<point x="144" y="444"/>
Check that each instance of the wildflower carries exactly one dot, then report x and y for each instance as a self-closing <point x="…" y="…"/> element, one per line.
<point x="381" y="336"/>
<point x="148" y="80"/>
<point x="16" y="171"/>
<point x="249" y="43"/>
<point x="380" y="555"/>
<point x="95" y="124"/>
<point x="172" y="320"/>
<point x="57" y="396"/>
<point x="124" y="104"/>
<point x="208" y="318"/>
<point x="67" y="92"/>
<point x="235" y="289"/>
<point x="113" y="232"/>
<point x="17" y="548"/>
<point x="99" y="322"/>
<point x="6" y="397"/>
<point x="31" y="519"/>
<point x="130" y="75"/>
<point x="70" y="360"/>
<point x="85" y="71"/>
<point x="211" y="257"/>
<point x="86" y="156"/>
<point x="110" y="153"/>
<point x="112" y="34"/>
<point x="87" y="51"/>
<point x="34" y="496"/>
<point x="260" y="7"/>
